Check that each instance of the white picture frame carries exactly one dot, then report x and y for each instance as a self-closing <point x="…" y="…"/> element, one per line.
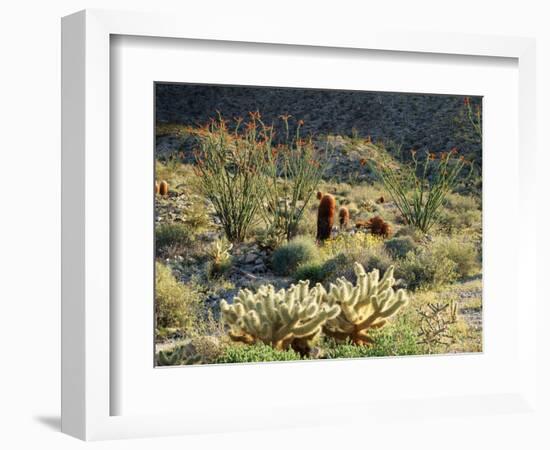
<point x="87" y="328"/>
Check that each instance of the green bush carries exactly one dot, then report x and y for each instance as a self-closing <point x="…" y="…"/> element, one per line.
<point x="412" y="232"/>
<point x="460" y="212"/>
<point x="348" y="351"/>
<point x="462" y="252"/>
<point x="398" y="247"/>
<point x="286" y="259"/>
<point x="315" y="272"/>
<point x="453" y="222"/>
<point x="174" y="235"/>
<point x="397" y="339"/>
<point x="177" y="305"/>
<point x="255" y="353"/>
<point x="426" y="268"/>
<point x="461" y="203"/>
<point x="371" y="258"/>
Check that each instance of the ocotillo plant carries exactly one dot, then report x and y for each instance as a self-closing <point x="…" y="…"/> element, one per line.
<point x="474" y="116"/>
<point x="419" y="189"/>
<point x="293" y="171"/>
<point x="230" y="171"/>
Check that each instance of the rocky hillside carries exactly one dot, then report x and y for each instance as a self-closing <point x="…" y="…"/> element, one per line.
<point x="424" y="122"/>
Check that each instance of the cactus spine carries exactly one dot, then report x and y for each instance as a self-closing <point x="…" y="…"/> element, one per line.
<point x="325" y="217"/>
<point x="282" y="319"/>
<point x="365" y="306"/>
<point x="163" y="188"/>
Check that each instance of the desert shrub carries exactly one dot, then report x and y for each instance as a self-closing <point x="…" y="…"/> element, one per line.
<point x="255" y="353"/>
<point x="412" y="232"/>
<point x="210" y="348"/>
<point x="461" y="203"/>
<point x="173" y="235"/>
<point x="315" y="272"/>
<point x="377" y="258"/>
<point x="196" y="216"/>
<point x="308" y="225"/>
<point x="175" y="173"/>
<point x="346" y="243"/>
<point x="398" y="339"/>
<point x="289" y="256"/>
<point x="426" y="268"/>
<point x="348" y="351"/>
<point x="398" y="247"/>
<point x="460" y="251"/>
<point x="177" y="305"/>
<point x="453" y="222"/>
<point x="371" y="258"/>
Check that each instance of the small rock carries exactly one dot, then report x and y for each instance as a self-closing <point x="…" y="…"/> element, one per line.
<point x="250" y="258"/>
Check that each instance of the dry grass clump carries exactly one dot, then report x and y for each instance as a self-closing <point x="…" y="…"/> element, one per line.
<point x="177" y="305"/>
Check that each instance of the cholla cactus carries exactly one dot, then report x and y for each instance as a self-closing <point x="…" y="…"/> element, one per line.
<point x="219" y="251"/>
<point x="221" y="256"/>
<point x="281" y="318"/>
<point x="183" y="355"/>
<point x="364" y="306"/>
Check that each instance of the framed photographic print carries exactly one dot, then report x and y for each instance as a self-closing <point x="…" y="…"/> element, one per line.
<point x="329" y="209"/>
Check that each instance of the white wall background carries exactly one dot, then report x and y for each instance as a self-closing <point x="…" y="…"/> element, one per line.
<point x="30" y="199"/>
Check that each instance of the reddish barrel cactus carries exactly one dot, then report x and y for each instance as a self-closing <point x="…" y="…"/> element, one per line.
<point x="325" y="217"/>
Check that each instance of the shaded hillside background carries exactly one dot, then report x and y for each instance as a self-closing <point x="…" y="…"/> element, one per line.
<point x="423" y="122"/>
